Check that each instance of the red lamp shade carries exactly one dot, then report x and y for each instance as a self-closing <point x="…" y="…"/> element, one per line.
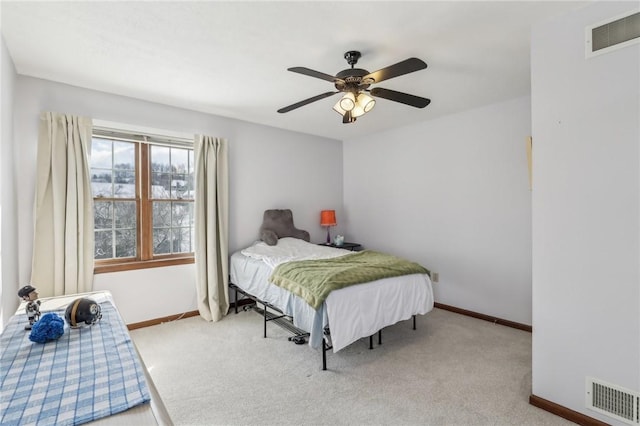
<point x="328" y="218"/>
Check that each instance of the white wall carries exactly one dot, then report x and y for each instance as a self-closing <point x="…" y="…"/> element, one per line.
<point x="586" y="292"/>
<point x="9" y="282"/>
<point x="269" y="168"/>
<point x="452" y="194"/>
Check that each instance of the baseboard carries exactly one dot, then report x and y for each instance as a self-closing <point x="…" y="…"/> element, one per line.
<point x="489" y="318"/>
<point x="461" y="311"/>
<point x="157" y="321"/>
<point x="564" y="412"/>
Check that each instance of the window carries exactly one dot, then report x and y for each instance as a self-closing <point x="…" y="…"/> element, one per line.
<point x="143" y="198"/>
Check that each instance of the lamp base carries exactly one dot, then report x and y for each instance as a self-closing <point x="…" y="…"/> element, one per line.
<point x="328" y="236"/>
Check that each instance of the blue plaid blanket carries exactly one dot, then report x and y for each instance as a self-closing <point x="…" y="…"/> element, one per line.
<point x="86" y="374"/>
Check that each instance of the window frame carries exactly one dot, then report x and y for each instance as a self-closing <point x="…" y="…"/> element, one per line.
<point x="144" y="204"/>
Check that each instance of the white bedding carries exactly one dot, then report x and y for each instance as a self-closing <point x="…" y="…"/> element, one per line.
<point x="353" y="312"/>
<point x="289" y="249"/>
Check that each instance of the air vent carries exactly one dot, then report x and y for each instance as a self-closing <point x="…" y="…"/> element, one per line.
<point x="613" y="401"/>
<point x="615" y="33"/>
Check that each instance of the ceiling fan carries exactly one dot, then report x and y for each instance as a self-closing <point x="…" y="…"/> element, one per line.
<point x="355" y="82"/>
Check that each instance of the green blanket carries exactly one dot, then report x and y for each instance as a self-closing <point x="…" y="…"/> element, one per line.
<point x="313" y="280"/>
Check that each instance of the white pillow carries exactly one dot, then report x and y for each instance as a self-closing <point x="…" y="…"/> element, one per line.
<point x="289" y="249"/>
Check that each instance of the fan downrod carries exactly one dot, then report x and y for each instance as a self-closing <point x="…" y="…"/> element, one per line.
<point x="352" y="57"/>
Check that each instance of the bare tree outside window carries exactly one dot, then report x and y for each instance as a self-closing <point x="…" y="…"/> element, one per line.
<point x="172" y="199"/>
<point x="143" y="200"/>
<point x="113" y="179"/>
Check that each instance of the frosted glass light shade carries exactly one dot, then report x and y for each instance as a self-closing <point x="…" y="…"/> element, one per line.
<point x="366" y="102"/>
<point x="348" y="102"/>
<point x="358" y="106"/>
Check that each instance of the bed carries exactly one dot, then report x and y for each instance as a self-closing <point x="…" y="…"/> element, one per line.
<point x="346" y="314"/>
<point x="37" y="379"/>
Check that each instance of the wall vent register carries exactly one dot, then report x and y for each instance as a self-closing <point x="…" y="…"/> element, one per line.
<point x="615" y="33"/>
<point x="614" y="401"/>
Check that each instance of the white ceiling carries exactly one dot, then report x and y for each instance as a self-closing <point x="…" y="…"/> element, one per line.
<point x="231" y="58"/>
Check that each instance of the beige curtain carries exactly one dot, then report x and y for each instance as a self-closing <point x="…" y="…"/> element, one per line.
<point x="211" y="226"/>
<point x="62" y="260"/>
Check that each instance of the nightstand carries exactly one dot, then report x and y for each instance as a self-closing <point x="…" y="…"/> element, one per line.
<point x="345" y="245"/>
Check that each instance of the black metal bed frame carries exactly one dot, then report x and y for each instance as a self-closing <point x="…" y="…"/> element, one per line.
<point x="286" y="322"/>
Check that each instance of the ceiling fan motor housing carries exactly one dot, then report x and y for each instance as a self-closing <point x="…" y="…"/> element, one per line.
<point x="351" y="80"/>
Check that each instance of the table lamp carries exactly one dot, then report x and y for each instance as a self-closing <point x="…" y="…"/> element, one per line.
<point x="328" y="219"/>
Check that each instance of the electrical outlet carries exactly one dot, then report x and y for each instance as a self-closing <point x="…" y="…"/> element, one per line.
<point x="435" y="277"/>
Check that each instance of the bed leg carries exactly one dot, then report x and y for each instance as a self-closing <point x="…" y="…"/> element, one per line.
<point x="371" y="342"/>
<point x="414" y="322"/>
<point x="265" y="320"/>
<point x="324" y="354"/>
<point x="236" y="299"/>
<point x="380" y="337"/>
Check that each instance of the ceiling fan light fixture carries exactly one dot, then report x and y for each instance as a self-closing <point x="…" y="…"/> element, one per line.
<point x="357" y="105"/>
<point x="348" y="101"/>
<point x="357" y="112"/>
<point x="366" y="102"/>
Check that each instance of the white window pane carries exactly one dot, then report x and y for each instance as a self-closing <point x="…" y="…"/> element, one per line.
<point x="102" y="215"/>
<point x="161" y="214"/>
<point x="160" y="159"/>
<point x="181" y="240"/>
<point x="159" y="192"/>
<point x="161" y="241"/>
<point x="179" y="186"/>
<point x="103" y="245"/>
<point x="182" y="214"/>
<point x="125" y="214"/>
<point x="124" y="156"/>
<point x="124" y="176"/>
<point x="160" y="185"/>
<point x="124" y="190"/>
<point x="101" y="183"/>
<point x="190" y="193"/>
<point x="125" y="243"/>
<point x="179" y="160"/>
<point x="101" y="153"/>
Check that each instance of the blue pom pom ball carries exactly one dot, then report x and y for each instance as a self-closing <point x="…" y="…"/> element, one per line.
<point x="49" y="327"/>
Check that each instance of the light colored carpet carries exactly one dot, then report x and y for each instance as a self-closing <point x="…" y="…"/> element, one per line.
<point x="452" y="370"/>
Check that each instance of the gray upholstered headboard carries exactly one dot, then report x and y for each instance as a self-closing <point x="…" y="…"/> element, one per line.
<point x="278" y="223"/>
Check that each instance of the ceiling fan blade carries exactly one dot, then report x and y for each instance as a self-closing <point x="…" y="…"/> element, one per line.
<point x="395" y="70"/>
<point x="316" y="74"/>
<point x="405" y="98"/>
<point x="305" y="102"/>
